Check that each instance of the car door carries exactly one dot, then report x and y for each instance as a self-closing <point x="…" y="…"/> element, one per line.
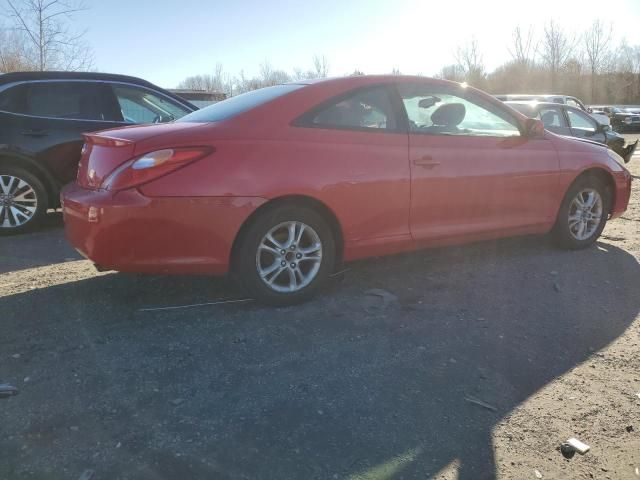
<point x="51" y="118"/>
<point x="584" y="126"/>
<point x="472" y="169"/>
<point x="355" y="146"/>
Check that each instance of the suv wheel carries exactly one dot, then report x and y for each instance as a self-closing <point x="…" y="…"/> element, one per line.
<point x="23" y="200"/>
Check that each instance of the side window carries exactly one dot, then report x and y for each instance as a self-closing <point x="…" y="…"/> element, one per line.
<point x="438" y="113"/>
<point x="12" y="99"/>
<point x="69" y="100"/>
<point x="573" y="103"/>
<point x="139" y="105"/>
<point x="552" y="117"/>
<point x="581" y="120"/>
<point x="370" y="108"/>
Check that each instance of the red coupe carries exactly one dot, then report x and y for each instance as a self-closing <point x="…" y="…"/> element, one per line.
<point x="279" y="185"/>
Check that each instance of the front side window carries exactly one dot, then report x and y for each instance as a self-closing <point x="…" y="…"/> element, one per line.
<point x="581" y="121"/>
<point x="139" y="105"/>
<point x="369" y="108"/>
<point x="551" y="117"/>
<point x="432" y="112"/>
<point x="68" y="100"/>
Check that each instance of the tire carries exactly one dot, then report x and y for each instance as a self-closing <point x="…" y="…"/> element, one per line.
<point x="20" y="217"/>
<point x="310" y="266"/>
<point x="566" y="231"/>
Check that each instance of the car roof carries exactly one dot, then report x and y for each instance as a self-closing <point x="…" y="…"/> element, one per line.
<point x="358" y="80"/>
<point x="108" y="77"/>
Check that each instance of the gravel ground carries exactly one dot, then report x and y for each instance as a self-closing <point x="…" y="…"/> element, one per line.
<point x="353" y="385"/>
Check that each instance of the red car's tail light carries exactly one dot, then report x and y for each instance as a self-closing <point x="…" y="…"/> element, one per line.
<point x="153" y="165"/>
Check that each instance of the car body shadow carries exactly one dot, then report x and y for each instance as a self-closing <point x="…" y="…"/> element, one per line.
<point x="345" y="385"/>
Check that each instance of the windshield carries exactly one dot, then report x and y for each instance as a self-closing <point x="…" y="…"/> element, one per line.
<point x="236" y="105"/>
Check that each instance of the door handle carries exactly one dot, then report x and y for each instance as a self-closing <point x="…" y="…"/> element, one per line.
<point x="35" y="133"/>
<point x="426" y="162"/>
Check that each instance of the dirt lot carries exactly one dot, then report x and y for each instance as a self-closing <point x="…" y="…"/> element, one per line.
<point x="349" y="386"/>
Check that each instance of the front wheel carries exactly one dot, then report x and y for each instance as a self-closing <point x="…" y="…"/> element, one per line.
<point x="583" y="214"/>
<point x="23" y="200"/>
<point x="285" y="255"/>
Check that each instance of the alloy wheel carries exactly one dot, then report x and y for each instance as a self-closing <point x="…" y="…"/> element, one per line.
<point x="289" y="257"/>
<point x="585" y="214"/>
<point x="18" y="201"/>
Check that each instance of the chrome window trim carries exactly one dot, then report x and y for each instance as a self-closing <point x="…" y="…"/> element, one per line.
<point x="109" y="82"/>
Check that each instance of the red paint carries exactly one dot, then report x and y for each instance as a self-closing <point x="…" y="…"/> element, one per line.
<point x="377" y="185"/>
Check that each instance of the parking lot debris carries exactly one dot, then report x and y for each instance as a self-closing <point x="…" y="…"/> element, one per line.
<point x="556" y="286"/>
<point x="387" y="297"/>
<point x="567" y="450"/>
<point x="7" y="390"/>
<point x="340" y="273"/>
<point x="629" y="428"/>
<point x="87" y="475"/>
<point x="194" y="305"/>
<point x="15" y="356"/>
<point x="480" y="403"/>
<point x="573" y="445"/>
<point x="537" y="473"/>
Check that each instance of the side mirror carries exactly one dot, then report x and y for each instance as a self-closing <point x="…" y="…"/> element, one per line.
<point x="605" y="128"/>
<point x="534" y="128"/>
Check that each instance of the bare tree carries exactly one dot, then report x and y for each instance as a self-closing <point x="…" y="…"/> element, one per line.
<point x="216" y="82"/>
<point x="13" y="50"/>
<point x="596" y="46"/>
<point x="451" y="72"/>
<point x="524" y="46"/>
<point x="556" y="48"/>
<point x="46" y="27"/>
<point x="470" y="62"/>
<point x="320" y="66"/>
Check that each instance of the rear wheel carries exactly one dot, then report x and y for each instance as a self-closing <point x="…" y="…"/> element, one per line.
<point x="285" y="255"/>
<point x="583" y="214"/>
<point x="23" y="200"/>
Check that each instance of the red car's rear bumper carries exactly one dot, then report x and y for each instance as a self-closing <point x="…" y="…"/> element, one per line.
<point x="128" y="231"/>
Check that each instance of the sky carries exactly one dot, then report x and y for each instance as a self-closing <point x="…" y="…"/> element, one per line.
<point x="165" y="41"/>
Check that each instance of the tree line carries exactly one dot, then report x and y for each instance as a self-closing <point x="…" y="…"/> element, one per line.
<point x="592" y="64"/>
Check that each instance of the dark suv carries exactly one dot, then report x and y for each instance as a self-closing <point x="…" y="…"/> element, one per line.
<point x="42" y="118"/>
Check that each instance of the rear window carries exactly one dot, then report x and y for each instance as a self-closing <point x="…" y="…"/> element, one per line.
<point x="236" y="105"/>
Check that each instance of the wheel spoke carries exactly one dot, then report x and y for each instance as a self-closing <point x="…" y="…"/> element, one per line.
<point x="301" y="228"/>
<point x="5" y="184"/>
<point x="580" y="232"/>
<point x="270" y="269"/>
<point x="274" y="241"/>
<point x="307" y="251"/>
<point x="293" y="279"/>
<point x="291" y="231"/>
<point x="269" y="249"/>
<point x="277" y="274"/>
